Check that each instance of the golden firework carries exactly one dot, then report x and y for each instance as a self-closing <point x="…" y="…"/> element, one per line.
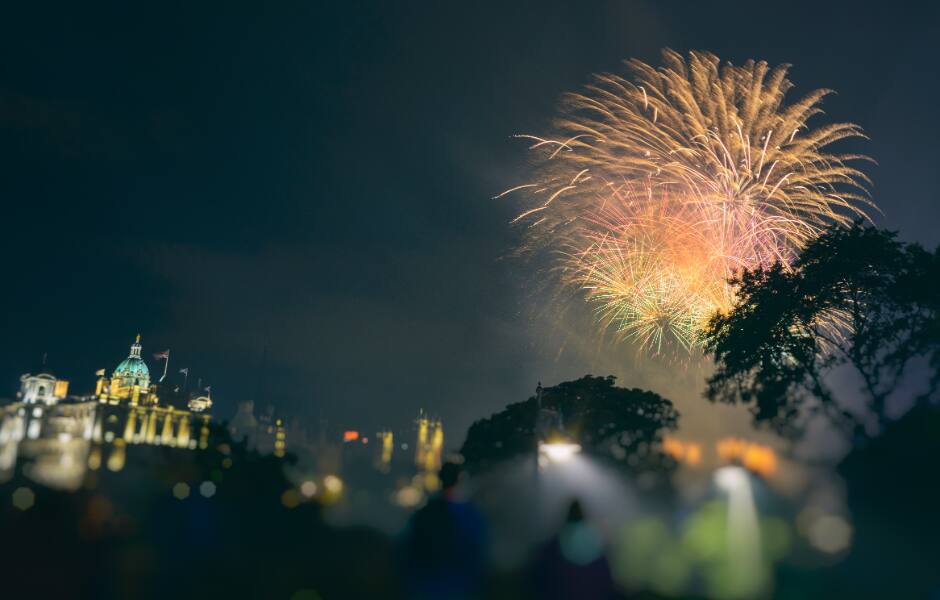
<point x="655" y="190"/>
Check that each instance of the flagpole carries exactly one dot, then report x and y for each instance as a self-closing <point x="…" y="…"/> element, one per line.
<point x="166" y="365"/>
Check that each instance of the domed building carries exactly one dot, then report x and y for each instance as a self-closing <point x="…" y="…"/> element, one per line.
<point x="129" y="381"/>
<point x="132" y="370"/>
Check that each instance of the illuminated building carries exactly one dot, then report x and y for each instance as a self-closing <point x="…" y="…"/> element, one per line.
<point x="50" y="442"/>
<point x="55" y="443"/>
<point x="42" y="388"/>
<point x="200" y="404"/>
<point x="422" y="441"/>
<point x="129" y="382"/>
<point x="386" y="445"/>
<point x="428" y="449"/>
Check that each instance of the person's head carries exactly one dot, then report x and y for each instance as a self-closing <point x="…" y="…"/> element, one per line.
<point x="450" y="475"/>
<point x="575" y="512"/>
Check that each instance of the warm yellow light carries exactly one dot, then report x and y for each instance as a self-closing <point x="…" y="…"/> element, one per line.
<point x="61" y="388"/>
<point x="333" y="484"/>
<point x="409" y="496"/>
<point x="94" y="459"/>
<point x="757" y="458"/>
<point x="117" y="456"/>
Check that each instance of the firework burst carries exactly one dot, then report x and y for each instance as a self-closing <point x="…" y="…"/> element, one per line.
<point x="653" y="191"/>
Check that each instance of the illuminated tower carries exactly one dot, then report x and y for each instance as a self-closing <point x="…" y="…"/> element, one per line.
<point x="429" y="444"/>
<point x="435" y="447"/>
<point x="421" y="446"/>
<point x="386" y="447"/>
<point x="280" y="439"/>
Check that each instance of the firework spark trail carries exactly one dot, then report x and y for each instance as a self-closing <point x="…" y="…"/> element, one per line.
<point x="654" y="191"/>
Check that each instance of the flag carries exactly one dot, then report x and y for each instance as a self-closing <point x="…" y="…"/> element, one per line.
<point x="99" y="373"/>
<point x="185" y="371"/>
<point x="162" y="355"/>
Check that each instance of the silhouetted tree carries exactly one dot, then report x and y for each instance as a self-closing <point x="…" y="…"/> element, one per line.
<point x="621" y="423"/>
<point x="856" y="297"/>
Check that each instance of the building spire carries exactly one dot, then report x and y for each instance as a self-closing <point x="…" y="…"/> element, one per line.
<point x="135" y="348"/>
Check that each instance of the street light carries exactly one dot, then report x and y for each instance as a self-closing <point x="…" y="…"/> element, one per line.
<point x="559" y="451"/>
<point x="732" y="479"/>
<point x="552" y="442"/>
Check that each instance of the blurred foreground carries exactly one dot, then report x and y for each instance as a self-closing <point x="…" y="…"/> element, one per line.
<point x="226" y="522"/>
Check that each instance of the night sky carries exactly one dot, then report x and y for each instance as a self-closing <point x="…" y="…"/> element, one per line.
<point x="317" y="180"/>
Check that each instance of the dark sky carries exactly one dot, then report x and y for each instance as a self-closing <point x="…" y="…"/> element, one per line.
<point x="317" y="179"/>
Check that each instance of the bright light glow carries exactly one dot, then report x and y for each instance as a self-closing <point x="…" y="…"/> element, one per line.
<point x="308" y="488"/>
<point x="731" y="478"/>
<point x="409" y="496"/>
<point x="333" y="484"/>
<point x="207" y="489"/>
<point x="830" y="533"/>
<point x="559" y="452"/>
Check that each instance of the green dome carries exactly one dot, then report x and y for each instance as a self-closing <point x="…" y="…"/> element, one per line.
<point x="132" y="366"/>
<point x="133" y="369"/>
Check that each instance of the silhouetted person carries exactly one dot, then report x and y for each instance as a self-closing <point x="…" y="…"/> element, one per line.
<point x="573" y="563"/>
<point x="444" y="547"/>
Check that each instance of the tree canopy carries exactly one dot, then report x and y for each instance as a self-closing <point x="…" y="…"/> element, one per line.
<point x="620" y="423"/>
<point x="856" y="297"/>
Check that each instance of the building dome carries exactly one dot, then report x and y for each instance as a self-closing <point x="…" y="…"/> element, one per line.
<point x="133" y="370"/>
<point x="132" y="366"/>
